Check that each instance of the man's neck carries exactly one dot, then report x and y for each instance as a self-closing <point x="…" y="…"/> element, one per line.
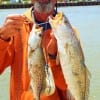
<point x="41" y="20"/>
<point x="43" y="17"/>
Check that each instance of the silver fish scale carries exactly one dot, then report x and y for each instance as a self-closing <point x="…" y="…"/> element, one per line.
<point x="37" y="78"/>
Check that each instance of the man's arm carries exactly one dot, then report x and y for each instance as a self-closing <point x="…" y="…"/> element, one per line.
<point x="9" y="28"/>
<point x="6" y="53"/>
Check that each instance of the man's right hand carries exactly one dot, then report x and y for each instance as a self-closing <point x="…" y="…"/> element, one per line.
<point x="12" y="24"/>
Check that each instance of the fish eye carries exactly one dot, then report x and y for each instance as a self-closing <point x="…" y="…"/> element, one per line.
<point x="40" y="35"/>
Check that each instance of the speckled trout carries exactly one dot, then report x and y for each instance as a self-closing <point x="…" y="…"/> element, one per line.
<point x="71" y="57"/>
<point x="36" y="62"/>
<point x="40" y="83"/>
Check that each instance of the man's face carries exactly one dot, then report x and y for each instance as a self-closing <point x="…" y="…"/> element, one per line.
<point x="44" y="1"/>
<point x="44" y="6"/>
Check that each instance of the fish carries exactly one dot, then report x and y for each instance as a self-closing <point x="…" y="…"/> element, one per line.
<point x="41" y="77"/>
<point x="71" y="57"/>
<point x="36" y="61"/>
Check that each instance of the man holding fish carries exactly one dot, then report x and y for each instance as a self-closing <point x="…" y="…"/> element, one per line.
<point x="14" y="35"/>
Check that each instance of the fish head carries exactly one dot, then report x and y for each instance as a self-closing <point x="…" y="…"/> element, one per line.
<point x="58" y="25"/>
<point x="35" y="36"/>
<point x="55" y="21"/>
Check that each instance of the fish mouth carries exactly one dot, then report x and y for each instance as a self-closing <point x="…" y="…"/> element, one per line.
<point x="56" y="20"/>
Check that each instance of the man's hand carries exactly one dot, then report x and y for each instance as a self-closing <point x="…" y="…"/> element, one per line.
<point x="11" y="25"/>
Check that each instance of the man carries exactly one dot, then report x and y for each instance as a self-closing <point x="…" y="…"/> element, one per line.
<point x="13" y="49"/>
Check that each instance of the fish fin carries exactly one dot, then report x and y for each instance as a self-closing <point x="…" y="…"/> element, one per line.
<point x="88" y="73"/>
<point x="76" y="32"/>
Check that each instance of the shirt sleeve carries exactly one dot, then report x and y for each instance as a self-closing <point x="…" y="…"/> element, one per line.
<point x="6" y="53"/>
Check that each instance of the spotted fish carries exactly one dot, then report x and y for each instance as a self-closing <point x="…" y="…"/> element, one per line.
<point x="71" y="57"/>
<point x="42" y="81"/>
<point x="36" y="62"/>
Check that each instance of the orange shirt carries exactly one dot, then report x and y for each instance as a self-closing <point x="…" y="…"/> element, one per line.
<point x="14" y="54"/>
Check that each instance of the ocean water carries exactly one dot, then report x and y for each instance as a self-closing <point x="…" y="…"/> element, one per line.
<point x="87" y="20"/>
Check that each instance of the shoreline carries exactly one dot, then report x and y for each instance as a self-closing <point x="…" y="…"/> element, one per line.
<point x="19" y="5"/>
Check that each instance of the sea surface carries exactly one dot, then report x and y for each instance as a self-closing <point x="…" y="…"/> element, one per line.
<point x="87" y="20"/>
